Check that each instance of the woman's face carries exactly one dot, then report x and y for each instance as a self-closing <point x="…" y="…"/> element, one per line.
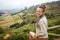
<point x="39" y="12"/>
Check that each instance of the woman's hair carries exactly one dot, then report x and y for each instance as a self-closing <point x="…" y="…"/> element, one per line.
<point x="43" y="7"/>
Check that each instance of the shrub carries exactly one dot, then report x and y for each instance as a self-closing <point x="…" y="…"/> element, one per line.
<point x="1" y="30"/>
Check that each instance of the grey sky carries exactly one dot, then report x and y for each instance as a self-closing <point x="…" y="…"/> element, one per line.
<point x="16" y="4"/>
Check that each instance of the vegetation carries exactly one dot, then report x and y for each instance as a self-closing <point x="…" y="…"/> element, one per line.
<point x="18" y="26"/>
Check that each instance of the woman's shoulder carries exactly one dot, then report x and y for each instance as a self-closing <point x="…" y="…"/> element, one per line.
<point x="43" y="19"/>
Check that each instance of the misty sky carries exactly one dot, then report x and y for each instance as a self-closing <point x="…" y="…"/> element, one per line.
<point x="19" y="4"/>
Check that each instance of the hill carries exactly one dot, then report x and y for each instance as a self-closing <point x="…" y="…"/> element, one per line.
<point x="51" y="7"/>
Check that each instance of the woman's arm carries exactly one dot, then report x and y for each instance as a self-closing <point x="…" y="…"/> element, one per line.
<point x="43" y="28"/>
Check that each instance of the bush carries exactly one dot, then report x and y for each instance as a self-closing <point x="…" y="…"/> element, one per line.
<point x="57" y="23"/>
<point x="51" y="23"/>
<point x="1" y="30"/>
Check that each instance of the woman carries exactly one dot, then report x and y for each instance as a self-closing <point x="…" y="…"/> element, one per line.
<point x="41" y="25"/>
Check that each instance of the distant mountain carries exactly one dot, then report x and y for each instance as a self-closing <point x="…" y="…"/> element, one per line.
<point x="51" y="7"/>
<point x="12" y="11"/>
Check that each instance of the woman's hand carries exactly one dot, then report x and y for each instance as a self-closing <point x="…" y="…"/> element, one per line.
<point x="35" y="36"/>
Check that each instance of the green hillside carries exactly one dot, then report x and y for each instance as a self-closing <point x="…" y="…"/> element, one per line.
<point x="17" y="26"/>
<point x="52" y="8"/>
